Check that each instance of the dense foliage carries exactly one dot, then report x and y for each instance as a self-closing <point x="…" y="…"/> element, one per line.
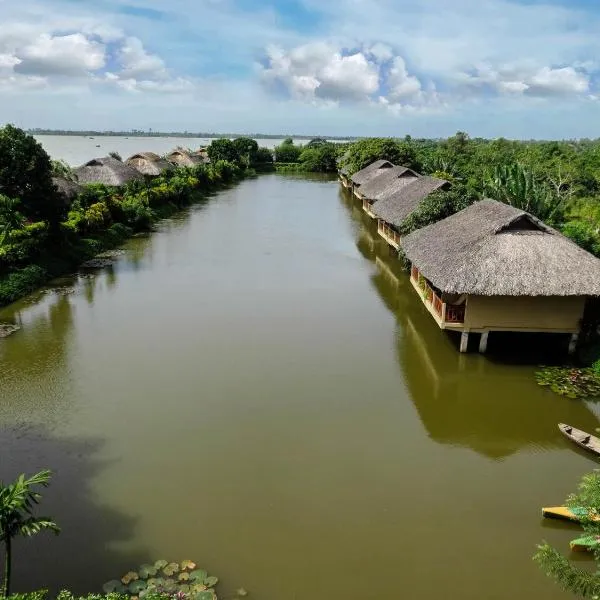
<point x="572" y="382"/>
<point x="42" y="234"/>
<point x="582" y="582"/>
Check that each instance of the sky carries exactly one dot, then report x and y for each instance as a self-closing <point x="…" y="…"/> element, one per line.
<point x="426" y="68"/>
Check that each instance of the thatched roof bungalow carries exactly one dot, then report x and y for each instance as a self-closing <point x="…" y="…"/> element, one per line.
<point x="67" y="189"/>
<point x="149" y="164"/>
<point x="108" y="171"/>
<point x="394" y="207"/>
<point x="182" y="158"/>
<point x="492" y="267"/>
<point x="386" y="184"/>
<point x="369" y="172"/>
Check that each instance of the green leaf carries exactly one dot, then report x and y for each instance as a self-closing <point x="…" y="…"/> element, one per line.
<point x="198" y="575"/>
<point x="129" y="577"/>
<point x="171" y="569"/>
<point x="211" y="581"/>
<point x="160" y="564"/>
<point x="183" y="576"/>
<point x="135" y="587"/>
<point x="146" y="571"/>
<point x="188" y="564"/>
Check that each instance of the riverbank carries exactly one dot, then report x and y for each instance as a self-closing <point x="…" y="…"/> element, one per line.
<point x="101" y="219"/>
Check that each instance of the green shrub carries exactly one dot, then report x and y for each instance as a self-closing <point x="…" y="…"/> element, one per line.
<point x="21" y="282"/>
<point x="584" y="235"/>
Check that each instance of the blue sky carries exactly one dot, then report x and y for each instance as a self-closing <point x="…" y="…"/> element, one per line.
<point x="519" y="69"/>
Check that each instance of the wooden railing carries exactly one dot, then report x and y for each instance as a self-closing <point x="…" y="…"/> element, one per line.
<point x="388" y="232"/>
<point x="448" y="313"/>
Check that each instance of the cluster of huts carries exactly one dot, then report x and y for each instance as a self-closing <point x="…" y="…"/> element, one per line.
<point x="114" y="172"/>
<point x="490" y="267"/>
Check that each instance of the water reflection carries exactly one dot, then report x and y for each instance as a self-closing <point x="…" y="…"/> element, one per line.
<point x="462" y="400"/>
<point x="89" y="527"/>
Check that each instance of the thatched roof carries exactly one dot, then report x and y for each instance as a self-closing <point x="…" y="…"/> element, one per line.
<point x="373" y="170"/>
<point x="183" y="158"/>
<point x="148" y="163"/>
<point x="68" y="189"/>
<point x="107" y="170"/>
<point x="396" y="206"/>
<point x="493" y="249"/>
<point x="388" y="182"/>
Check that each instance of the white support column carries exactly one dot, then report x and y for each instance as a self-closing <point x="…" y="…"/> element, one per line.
<point x="573" y="343"/>
<point x="464" y="341"/>
<point x="483" y="342"/>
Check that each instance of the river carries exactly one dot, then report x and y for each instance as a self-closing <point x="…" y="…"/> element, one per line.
<point x="256" y="386"/>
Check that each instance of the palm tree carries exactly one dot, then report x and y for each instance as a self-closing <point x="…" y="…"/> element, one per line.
<point x="17" y="501"/>
<point x="10" y="217"/>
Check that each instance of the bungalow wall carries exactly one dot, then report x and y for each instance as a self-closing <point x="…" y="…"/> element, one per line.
<point x="525" y="313"/>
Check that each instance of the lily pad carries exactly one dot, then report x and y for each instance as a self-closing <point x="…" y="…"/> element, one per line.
<point x="155" y="582"/>
<point x="183" y="576"/>
<point x="135" y="587"/>
<point x="171" y="569"/>
<point x="199" y="587"/>
<point x="114" y="585"/>
<point x="169" y="585"/>
<point x="198" y="575"/>
<point x="160" y="564"/>
<point x="147" y="571"/>
<point x="185" y="589"/>
<point x="129" y="577"/>
<point x="211" y="581"/>
<point x="188" y="564"/>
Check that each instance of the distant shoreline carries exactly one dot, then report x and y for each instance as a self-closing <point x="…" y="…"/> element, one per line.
<point x="179" y="134"/>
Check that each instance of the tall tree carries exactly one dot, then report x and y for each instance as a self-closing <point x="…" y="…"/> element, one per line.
<point x="26" y="173"/>
<point x="17" y="502"/>
<point x="223" y="149"/>
<point x="10" y="217"/>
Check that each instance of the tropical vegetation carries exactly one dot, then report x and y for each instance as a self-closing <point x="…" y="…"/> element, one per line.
<point x="585" y="583"/>
<point x="17" y="503"/>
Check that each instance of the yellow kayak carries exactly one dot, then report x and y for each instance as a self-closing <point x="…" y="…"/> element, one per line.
<point x="566" y="514"/>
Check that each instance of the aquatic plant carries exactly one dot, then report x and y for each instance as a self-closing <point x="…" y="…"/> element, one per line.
<point x="571" y="382"/>
<point x="182" y="581"/>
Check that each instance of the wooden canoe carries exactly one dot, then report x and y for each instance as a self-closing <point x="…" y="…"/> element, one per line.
<point x="581" y="438"/>
<point x="586" y="543"/>
<point x="565" y="513"/>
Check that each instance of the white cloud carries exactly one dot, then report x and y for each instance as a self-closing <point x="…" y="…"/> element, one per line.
<point x="401" y="84"/>
<point x="68" y="55"/>
<point x="137" y="63"/>
<point x="528" y="79"/>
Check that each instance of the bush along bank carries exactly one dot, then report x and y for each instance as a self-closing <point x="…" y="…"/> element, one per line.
<point x="41" y="238"/>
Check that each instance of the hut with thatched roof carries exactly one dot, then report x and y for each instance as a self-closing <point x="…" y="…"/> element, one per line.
<point x="108" y="171"/>
<point x="182" y="158"/>
<point x="149" y="164"/>
<point x="492" y="267"/>
<point x="391" y="210"/>
<point x="67" y="189"/>
<point x="369" y="172"/>
<point x="386" y="184"/>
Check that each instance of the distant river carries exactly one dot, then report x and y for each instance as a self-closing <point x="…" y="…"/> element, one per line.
<point x="78" y="149"/>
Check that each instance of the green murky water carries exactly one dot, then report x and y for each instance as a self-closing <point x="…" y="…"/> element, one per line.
<point x="257" y="387"/>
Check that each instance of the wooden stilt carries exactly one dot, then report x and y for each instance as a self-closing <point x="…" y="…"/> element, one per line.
<point x="483" y="342"/>
<point x="464" y="341"/>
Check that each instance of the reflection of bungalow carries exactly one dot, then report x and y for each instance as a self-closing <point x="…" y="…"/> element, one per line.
<point x="183" y="158"/>
<point x="384" y="185"/>
<point x="492" y="267"/>
<point x="369" y="172"/>
<point x="391" y="210"/>
<point x="107" y="170"/>
<point x="149" y="163"/>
